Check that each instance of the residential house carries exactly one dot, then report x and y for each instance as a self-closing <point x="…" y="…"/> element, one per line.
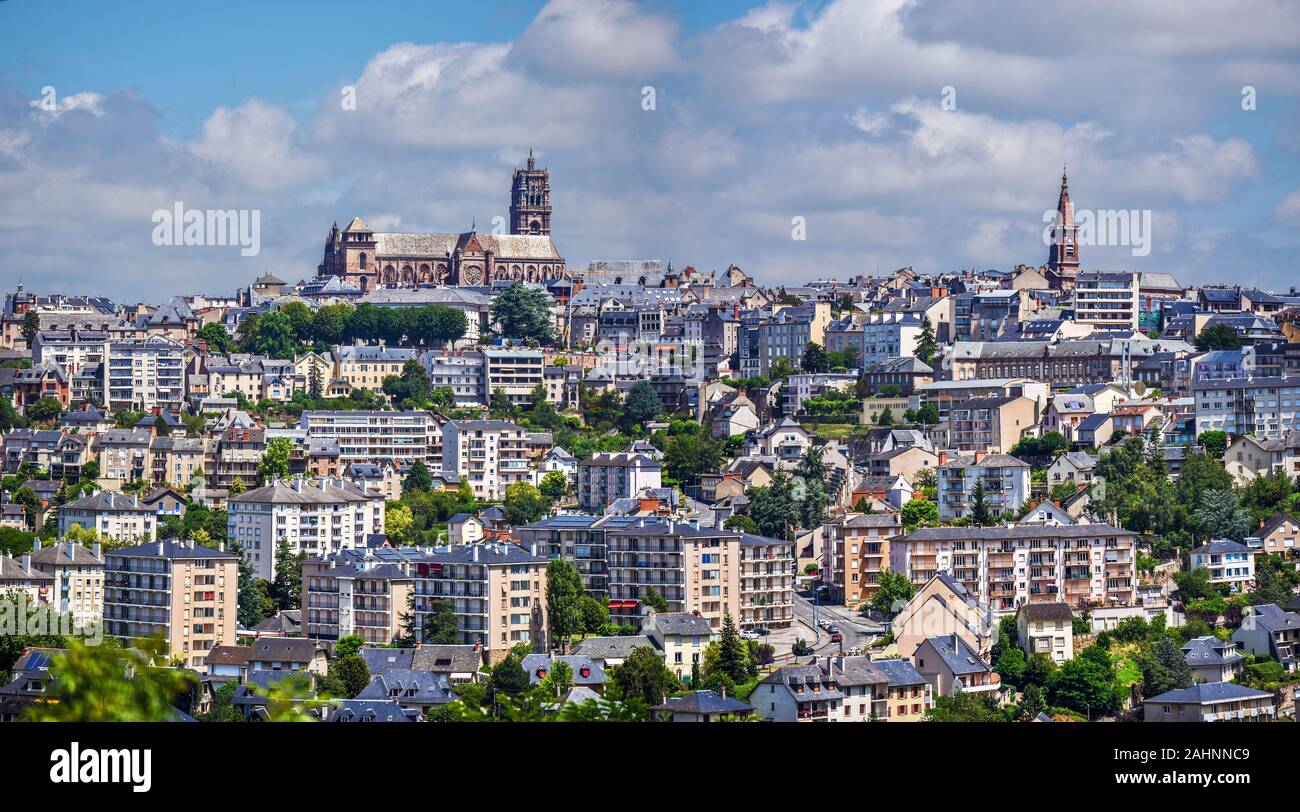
<point x="1048" y="629"/>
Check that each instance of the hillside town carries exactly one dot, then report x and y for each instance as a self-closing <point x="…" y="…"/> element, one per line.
<point x="446" y="477"/>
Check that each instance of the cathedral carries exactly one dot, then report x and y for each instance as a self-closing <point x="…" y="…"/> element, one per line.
<point x="375" y="259"/>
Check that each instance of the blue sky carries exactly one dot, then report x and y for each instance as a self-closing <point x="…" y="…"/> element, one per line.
<point x="830" y="111"/>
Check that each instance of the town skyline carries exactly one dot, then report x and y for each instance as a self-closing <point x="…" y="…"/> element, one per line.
<point x="886" y="135"/>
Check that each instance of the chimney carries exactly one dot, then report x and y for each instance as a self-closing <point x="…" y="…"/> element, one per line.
<point x="162" y="548"/>
<point x="36" y="545"/>
<point x="943" y="457"/>
<point x="979" y="456"/>
<point x="27" y="561"/>
<point x="70" y="547"/>
<point x="99" y="548"/>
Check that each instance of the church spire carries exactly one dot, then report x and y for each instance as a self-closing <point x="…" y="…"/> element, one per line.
<point x="1063" y="254"/>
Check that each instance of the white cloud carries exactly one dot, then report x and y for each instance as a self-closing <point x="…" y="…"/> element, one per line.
<point x="260" y="144"/>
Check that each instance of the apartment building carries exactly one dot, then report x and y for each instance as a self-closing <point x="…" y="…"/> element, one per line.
<point x="143" y="373"/>
<point x="351" y="593"/>
<point x="184" y="591"/>
<point x="73" y="350"/>
<point x="993" y="424"/>
<point x="316" y="517"/>
<point x="1268" y="407"/>
<point x="1107" y="300"/>
<point x="1006" y="482"/>
<point x="1230" y="563"/>
<point x="514" y="371"/>
<point x="235" y="455"/>
<point x="844" y="689"/>
<point x="855" y="550"/>
<point x="78" y="573"/>
<point x="114" y="516"/>
<point x="788" y="332"/>
<point x="767" y="576"/>
<point x="489" y="455"/>
<point x="1083" y="565"/>
<point x="696" y="570"/>
<point x="606" y="478"/>
<point x="19" y="575"/>
<point x="124" y="455"/>
<point x="1047" y="629"/>
<point x="498" y="592"/>
<point x="876" y="337"/>
<point x="464" y="373"/>
<point x="372" y="436"/>
<point x="944" y="606"/>
<point x="1210" y="702"/>
<point x="365" y="367"/>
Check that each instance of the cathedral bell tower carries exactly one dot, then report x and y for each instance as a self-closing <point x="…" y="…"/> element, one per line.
<point x="530" y="200"/>
<point x="1063" y="256"/>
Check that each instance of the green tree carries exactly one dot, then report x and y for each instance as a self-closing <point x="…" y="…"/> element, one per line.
<point x="644" y="676"/>
<point x="523" y="313"/>
<point x="919" y="513"/>
<point x="1219" y="337"/>
<point x="31" y="326"/>
<point x="773" y="507"/>
<point x="814" y="358"/>
<point x="1085" y="684"/>
<point x="563" y="601"/>
<point x="1032" y="702"/>
<point x="894" y="589"/>
<point x="886" y="417"/>
<point x="273" y="336"/>
<point x="1219" y="515"/>
<point x="348" y="644"/>
<point x="286" y="588"/>
<point x="1010" y="665"/>
<point x="554" y="486"/>
<point x="508" y="677"/>
<point x="641" y="405"/>
<point x="686" y="456"/>
<point x="275" y="460"/>
<point x="733" y="655"/>
<point x="351" y="672"/>
<point x="964" y="706"/>
<point x="524" y="504"/>
<point x="418" y="479"/>
<point x="1215" y="443"/>
<point x="106" y="683"/>
<point x="44" y="410"/>
<point x="979" y="513"/>
<point x="440" y="624"/>
<point x="1163" y="667"/>
<point x="740" y="523"/>
<point x="214" y="333"/>
<point x="656" y="601"/>
<point x="398" y="522"/>
<point x="926" y="343"/>
<point x="595" y="614"/>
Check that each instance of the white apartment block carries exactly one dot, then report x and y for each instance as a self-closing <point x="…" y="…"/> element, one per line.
<point x="607" y="477"/>
<point x="316" y="517"/>
<point x="464" y="373"/>
<point x="372" y="436"/>
<point x="1083" y="565"/>
<point x="140" y="374"/>
<point x="1107" y="300"/>
<point x="1006" y="482"/>
<point x="78" y="575"/>
<point x="114" y="516"/>
<point x="876" y="337"/>
<point x="489" y="455"/>
<point x="516" y="372"/>
<point x="1269" y="407"/>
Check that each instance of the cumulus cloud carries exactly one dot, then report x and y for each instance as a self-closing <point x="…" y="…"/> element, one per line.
<point x="827" y="112"/>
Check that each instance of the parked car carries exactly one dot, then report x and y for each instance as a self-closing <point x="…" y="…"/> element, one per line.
<point x="749" y="634"/>
<point x="832" y="628"/>
<point x="836" y="637"/>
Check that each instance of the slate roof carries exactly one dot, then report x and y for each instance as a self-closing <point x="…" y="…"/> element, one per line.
<point x="958" y="655"/>
<point x="1042" y="612"/>
<point x="607" y="648"/>
<point x="900" y="672"/>
<point x="447" y="659"/>
<point x="1208" y="692"/>
<point x="1209" y="651"/>
<point x="283" y="649"/>
<point x="371" y="710"/>
<point x="683" y="623"/>
<point x="704" y="702"/>
<point x="578" y="662"/>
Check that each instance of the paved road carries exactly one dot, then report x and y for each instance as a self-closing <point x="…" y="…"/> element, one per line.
<point x="856" y="629"/>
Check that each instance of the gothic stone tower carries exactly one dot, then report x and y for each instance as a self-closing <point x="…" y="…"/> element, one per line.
<point x="1063" y="256"/>
<point x="530" y="200"/>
